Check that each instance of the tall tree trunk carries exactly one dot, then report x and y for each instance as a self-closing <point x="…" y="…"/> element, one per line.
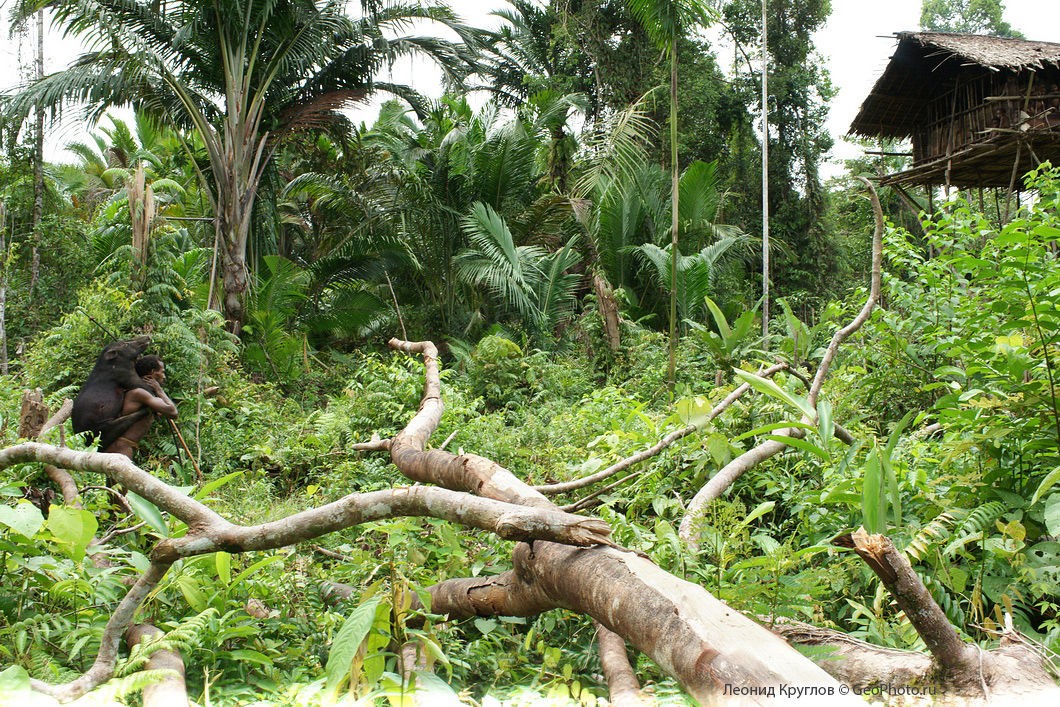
<point x="38" y="163"/>
<point x="234" y="282"/>
<point x="671" y="371"/>
<point x="765" y="182"/>
<point x="3" y="290"/>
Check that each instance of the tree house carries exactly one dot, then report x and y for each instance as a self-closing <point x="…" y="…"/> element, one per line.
<point x="980" y="111"/>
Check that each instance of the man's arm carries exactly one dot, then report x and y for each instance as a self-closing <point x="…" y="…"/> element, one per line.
<point x="158" y="403"/>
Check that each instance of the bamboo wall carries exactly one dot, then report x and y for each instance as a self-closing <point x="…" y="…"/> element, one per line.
<point x="986" y="105"/>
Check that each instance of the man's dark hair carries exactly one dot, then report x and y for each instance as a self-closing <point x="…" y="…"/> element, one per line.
<point x="147" y="364"/>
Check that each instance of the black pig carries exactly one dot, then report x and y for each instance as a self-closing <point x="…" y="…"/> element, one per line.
<point x="97" y="407"/>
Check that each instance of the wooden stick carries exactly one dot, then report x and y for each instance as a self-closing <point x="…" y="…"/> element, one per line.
<point x="176" y="431"/>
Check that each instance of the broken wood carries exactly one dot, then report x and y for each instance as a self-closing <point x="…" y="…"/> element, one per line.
<point x="170" y="691"/>
<point x="965" y="672"/>
<point x="953" y="655"/>
<point x="33" y="414"/>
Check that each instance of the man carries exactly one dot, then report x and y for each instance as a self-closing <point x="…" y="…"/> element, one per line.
<point x="153" y="371"/>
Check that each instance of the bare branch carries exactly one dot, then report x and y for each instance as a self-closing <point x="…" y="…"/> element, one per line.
<point x="870" y="303"/>
<point x="552" y="489"/>
<point x="61" y="416"/>
<point x="375" y="444"/>
<point x="103" y="667"/>
<point x="509" y="521"/>
<point x="622" y="685"/>
<point x="116" y="467"/>
<point x="725" y="478"/>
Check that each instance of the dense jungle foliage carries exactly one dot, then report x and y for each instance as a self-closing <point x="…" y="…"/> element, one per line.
<point x="483" y="229"/>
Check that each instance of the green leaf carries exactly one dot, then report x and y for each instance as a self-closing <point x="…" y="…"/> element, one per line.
<point x="347" y="641"/>
<point x="13" y="490"/>
<point x="773" y="426"/>
<point x="215" y="484"/>
<point x="719" y="320"/>
<point x="1047" y="483"/>
<point x="432" y="690"/>
<point x="25" y="518"/>
<point x="802" y="444"/>
<point x="72" y="527"/>
<point x="15" y="688"/>
<point x="825" y="424"/>
<point x="950" y="371"/>
<point x="760" y="510"/>
<point x="193" y="594"/>
<point x="485" y="625"/>
<point x="247" y="655"/>
<point x="264" y="562"/>
<point x="693" y="411"/>
<point x="148" y="513"/>
<point x="223" y="562"/>
<point x="1052" y="514"/>
<point x="768" y="387"/>
<point x="873" y="505"/>
<point x="842" y="492"/>
<point x="896" y="433"/>
<point x="891" y="483"/>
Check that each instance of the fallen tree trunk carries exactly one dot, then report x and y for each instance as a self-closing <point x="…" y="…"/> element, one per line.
<point x="712" y="650"/>
<point x="209" y="532"/>
<point x="1013" y="671"/>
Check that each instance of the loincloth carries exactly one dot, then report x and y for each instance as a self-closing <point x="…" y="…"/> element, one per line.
<point x="132" y="444"/>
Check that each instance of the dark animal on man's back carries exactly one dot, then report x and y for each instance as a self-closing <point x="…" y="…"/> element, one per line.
<point x="97" y="406"/>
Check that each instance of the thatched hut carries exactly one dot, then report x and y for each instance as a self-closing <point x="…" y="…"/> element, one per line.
<point x="977" y="109"/>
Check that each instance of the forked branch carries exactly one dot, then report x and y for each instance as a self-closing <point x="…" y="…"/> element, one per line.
<point x="732" y="471"/>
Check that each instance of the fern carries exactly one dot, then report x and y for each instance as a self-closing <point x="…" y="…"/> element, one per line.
<point x="932" y="535"/>
<point x="974" y="526"/>
<point x="120" y="687"/>
<point x="951" y="605"/>
<point x="186" y="635"/>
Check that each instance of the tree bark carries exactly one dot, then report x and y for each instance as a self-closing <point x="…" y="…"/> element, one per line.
<point x="170" y="691"/>
<point x="234" y="284"/>
<point x="33" y="415"/>
<point x="605" y="302"/>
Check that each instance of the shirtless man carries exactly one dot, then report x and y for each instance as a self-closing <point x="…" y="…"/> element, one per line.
<point x="153" y="371"/>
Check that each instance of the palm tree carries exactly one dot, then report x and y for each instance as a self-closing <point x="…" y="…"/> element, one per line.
<point x="665" y="21"/>
<point x="528" y="279"/>
<point x="242" y="74"/>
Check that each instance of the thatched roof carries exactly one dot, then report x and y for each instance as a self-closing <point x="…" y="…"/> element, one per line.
<point x="925" y="64"/>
